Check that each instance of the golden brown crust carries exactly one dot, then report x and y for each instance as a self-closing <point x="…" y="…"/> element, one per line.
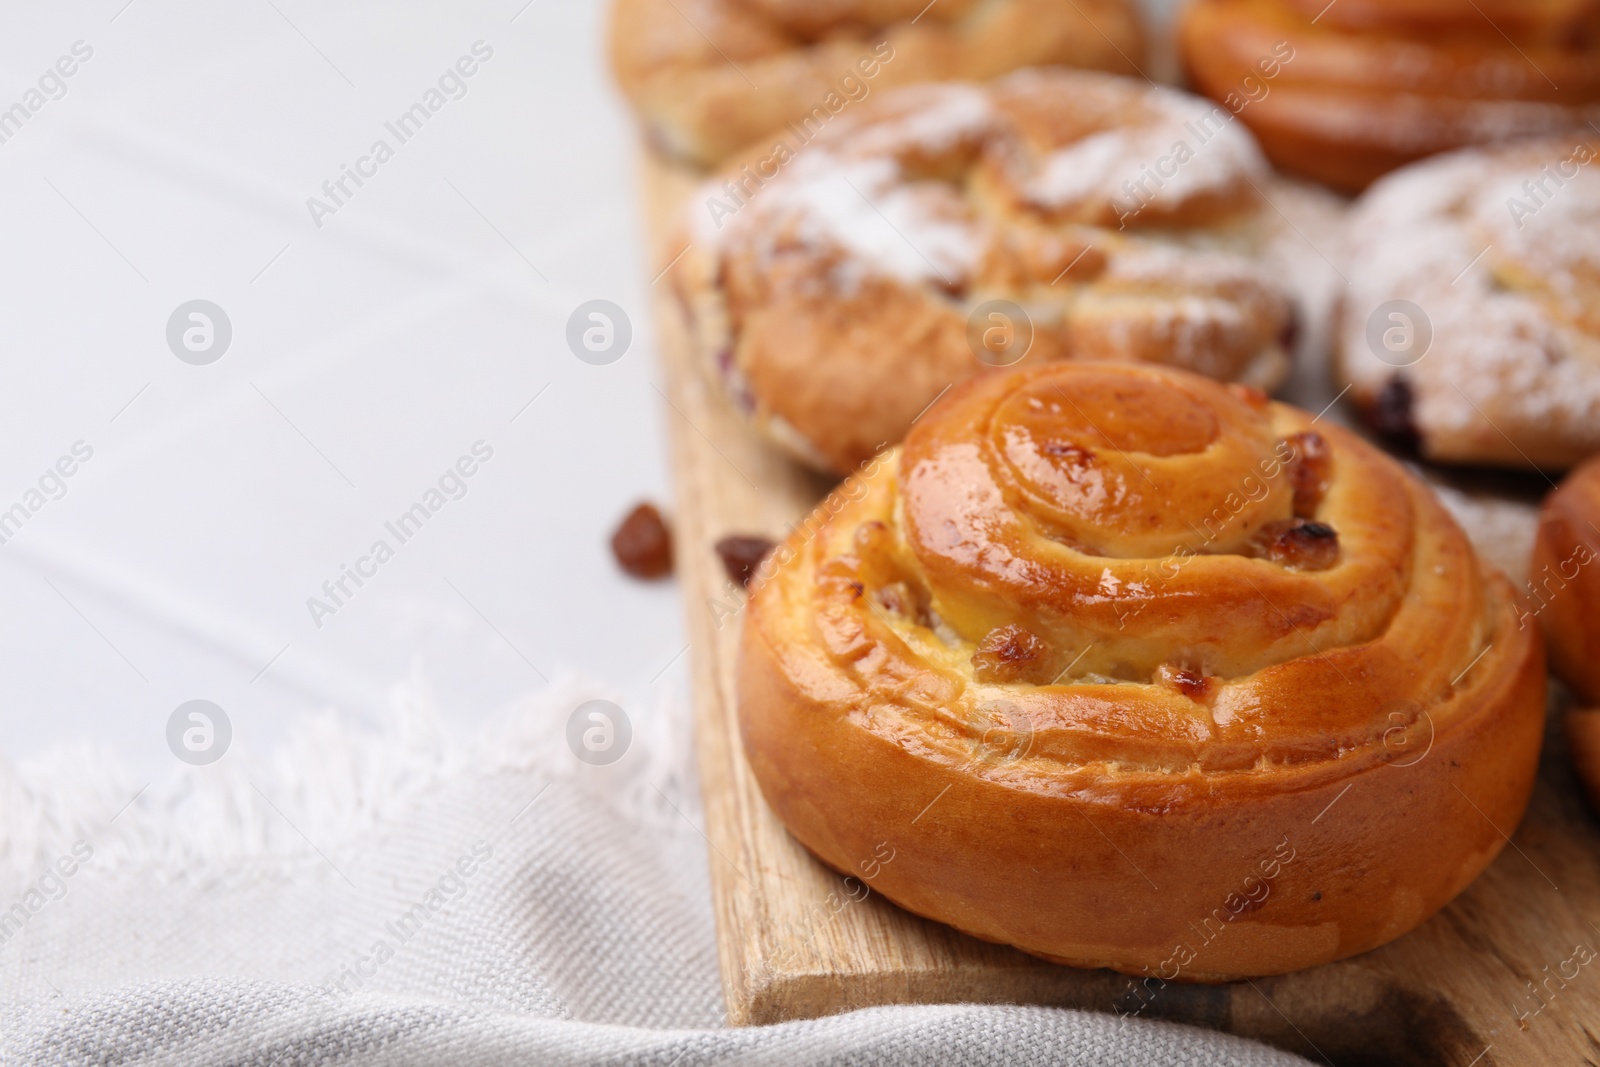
<point x="1583" y="743"/>
<point x="708" y="77"/>
<point x="1346" y="92"/>
<point x="1482" y="269"/>
<point x="839" y="287"/>
<point x="1563" y="588"/>
<point x="1078" y="652"/>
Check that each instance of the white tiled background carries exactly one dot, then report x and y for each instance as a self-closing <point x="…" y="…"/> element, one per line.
<point x="365" y="359"/>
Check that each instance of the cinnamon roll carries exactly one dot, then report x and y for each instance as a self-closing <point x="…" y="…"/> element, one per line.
<point x="1133" y="669"/>
<point x="709" y="77"/>
<point x="1345" y="92"/>
<point x="837" y="288"/>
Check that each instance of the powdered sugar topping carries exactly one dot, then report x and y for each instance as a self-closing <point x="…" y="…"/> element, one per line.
<point x="1497" y="246"/>
<point x="931" y="119"/>
<point x="847" y="192"/>
<point x="1185" y="148"/>
<point x="881" y="190"/>
<point x="912" y="232"/>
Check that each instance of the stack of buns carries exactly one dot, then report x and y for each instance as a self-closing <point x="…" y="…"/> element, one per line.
<point x="1147" y="635"/>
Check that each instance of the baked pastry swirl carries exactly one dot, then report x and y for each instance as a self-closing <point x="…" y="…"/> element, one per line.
<point x="709" y="77"/>
<point x="1563" y="587"/>
<point x="1472" y="318"/>
<point x="838" y="290"/>
<point x="1563" y="594"/>
<point x="1138" y="670"/>
<point x="1370" y="85"/>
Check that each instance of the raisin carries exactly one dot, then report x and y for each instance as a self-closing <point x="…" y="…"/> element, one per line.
<point x="643" y="544"/>
<point x="1299" y="544"/>
<point x="1191" y="683"/>
<point x="741" y="554"/>
<point x="1392" y="412"/>
<point x="1073" y="454"/>
<point x="1008" y="654"/>
<point x="1289" y="334"/>
<point x="898" y="598"/>
<point x="1309" y="470"/>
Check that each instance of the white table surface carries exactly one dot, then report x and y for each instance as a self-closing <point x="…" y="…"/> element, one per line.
<point x="367" y="355"/>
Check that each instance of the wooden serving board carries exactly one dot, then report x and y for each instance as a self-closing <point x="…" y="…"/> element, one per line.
<point x="794" y="942"/>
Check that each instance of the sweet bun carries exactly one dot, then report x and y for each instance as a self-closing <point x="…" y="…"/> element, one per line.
<point x="1344" y="92"/>
<point x="1583" y="746"/>
<point x="838" y="288"/>
<point x="708" y="77"/>
<point x="1563" y="589"/>
<point x="1133" y="669"/>
<point x="1472" y="318"/>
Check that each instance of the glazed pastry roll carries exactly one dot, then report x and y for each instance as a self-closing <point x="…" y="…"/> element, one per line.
<point x="1563" y="588"/>
<point x="709" y="77"/>
<point x="1136" y="670"/>
<point x="1562" y="595"/>
<point x="1346" y="91"/>
<point x="836" y="287"/>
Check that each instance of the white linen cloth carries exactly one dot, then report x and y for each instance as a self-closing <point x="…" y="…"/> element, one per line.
<point x="411" y="899"/>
